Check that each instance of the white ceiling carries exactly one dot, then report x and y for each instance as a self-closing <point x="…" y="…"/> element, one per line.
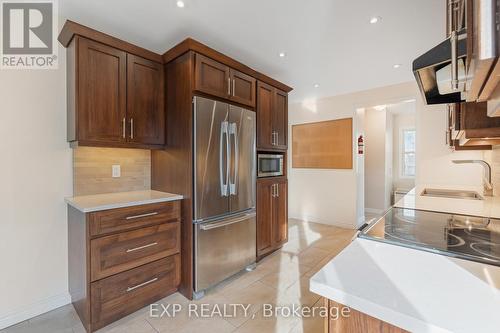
<point x="329" y="42"/>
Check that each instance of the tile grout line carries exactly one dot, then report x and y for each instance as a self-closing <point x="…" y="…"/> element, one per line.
<point x="151" y="325"/>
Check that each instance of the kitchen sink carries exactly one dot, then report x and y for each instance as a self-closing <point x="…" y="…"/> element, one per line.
<point x="452" y="194"/>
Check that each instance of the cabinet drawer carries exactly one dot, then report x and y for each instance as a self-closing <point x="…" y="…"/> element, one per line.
<point x="117" y="253"/>
<point x="122" y="219"/>
<point x="122" y="294"/>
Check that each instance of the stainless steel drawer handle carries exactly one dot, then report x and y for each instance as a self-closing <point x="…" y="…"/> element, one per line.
<point x="141" y="247"/>
<point x="141" y="285"/>
<point x="141" y="215"/>
<point x="123" y="128"/>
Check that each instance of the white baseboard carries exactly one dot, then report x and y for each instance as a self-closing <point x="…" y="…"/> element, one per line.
<point x="374" y="210"/>
<point x="34" y="309"/>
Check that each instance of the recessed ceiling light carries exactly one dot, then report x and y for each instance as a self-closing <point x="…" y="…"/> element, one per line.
<point x="180" y="4"/>
<point x="396" y="66"/>
<point x="282" y="54"/>
<point x="375" y="19"/>
<point x="316" y="85"/>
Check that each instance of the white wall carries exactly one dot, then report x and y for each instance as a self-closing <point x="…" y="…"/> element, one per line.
<point x="315" y="194"/>
<point x="333" y="196"/>
<point x="493" y="157"/>
<point x="36" y="176"/>
<point x="434" y="158"/>
<point x="375" y="159"/>
<point x="360" y="166"/>
<point x="389" y="123"/>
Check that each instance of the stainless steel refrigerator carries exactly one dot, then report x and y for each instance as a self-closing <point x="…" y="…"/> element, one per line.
<point x="224" y="191"/>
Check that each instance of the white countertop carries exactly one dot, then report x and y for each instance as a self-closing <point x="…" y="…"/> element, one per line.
<point x="415" y="290"/>
<point x="97" y="202"/>
<point x="489" y="207"/>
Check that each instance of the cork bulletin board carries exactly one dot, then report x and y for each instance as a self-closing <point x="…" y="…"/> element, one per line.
<point x="323" y="145"/>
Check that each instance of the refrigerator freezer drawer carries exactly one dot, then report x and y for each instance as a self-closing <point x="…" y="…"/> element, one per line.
<point x="224" y="247"/>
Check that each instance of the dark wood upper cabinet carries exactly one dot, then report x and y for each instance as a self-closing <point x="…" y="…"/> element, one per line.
<point x="470" y="128"/>
<point x="214" y="78"/>
<point x="265" y="102"/>
<point x="145" y="101"/>
<point x="280" y="119"/>
<point x="243" y="88"/>
<point x="115" y="99"/>
<point x="211" y="77"/>
<point x="101" y="101"/>
<point x="272" y="214"/>
<point x="272" y="118"/>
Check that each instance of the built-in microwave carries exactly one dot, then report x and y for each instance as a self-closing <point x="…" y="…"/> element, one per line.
<point x="269" y="165"/>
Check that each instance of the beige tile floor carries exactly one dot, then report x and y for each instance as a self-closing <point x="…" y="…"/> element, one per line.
<point x="281" y="279"/>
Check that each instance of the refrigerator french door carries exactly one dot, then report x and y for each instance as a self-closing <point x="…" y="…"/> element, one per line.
<point x="224" y="190"/>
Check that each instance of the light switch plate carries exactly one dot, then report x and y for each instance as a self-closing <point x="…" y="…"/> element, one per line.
<point x="116" y="171"/>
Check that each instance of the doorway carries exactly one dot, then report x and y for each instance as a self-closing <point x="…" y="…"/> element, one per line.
<point x="390" y="155"/>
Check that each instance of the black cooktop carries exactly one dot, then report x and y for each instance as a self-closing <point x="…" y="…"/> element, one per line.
<point x="467" y="237"/>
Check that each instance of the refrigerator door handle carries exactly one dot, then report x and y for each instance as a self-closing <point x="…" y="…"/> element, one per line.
<point x="210" y="226"/>
<point x="223" y="134"/>
<point x="228" y="158"/>
<point x="233" y="130"/>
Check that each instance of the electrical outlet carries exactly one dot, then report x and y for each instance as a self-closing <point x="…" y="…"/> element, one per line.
<point x="116" y="171"/>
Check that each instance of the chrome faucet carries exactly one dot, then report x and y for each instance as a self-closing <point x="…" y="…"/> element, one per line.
<point x="487" y="185"/>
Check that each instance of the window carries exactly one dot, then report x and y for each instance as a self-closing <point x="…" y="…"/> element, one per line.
<point x="408" y="153"/>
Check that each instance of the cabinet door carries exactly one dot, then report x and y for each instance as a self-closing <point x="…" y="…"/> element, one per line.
<point x="243" y="88"/>
<point x="280" y="211"/>
<point x="265" y="105"/>
<point x="145" y="101"/>
<point x="280" y="119"/>
<point x="101" y="93"/>
<point x="264" y="217"/>
<point x="211" y="77"/>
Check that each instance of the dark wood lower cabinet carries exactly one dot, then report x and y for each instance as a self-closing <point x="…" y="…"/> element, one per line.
<point x="113" y="275"/>
<point x="272" y="214"/>
<point x="354" y="321"/>
<point x="119" y="295"/>
<point x="117" y="253"/>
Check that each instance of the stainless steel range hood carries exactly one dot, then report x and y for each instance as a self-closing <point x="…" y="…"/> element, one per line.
<point x="434" y="71"/>
<point x="462" y="68"/>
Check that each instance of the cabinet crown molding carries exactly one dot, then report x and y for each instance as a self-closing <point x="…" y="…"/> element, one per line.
<point x="71" y="28"/>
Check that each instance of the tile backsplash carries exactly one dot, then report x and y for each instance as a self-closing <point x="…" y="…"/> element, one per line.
<point x="92" y="170"/>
